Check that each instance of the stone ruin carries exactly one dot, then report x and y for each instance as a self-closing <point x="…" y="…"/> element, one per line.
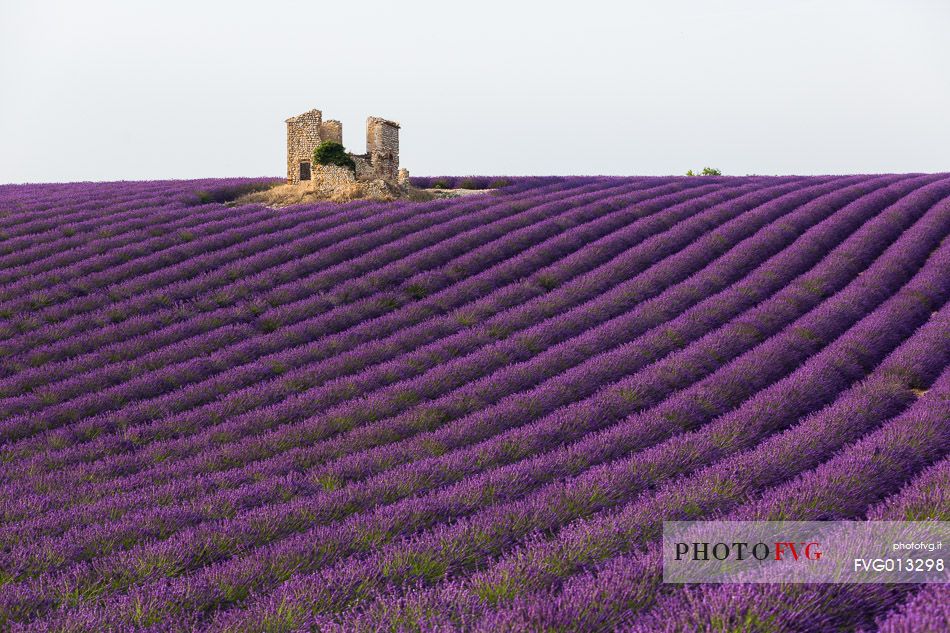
<point x="380" y="162"/>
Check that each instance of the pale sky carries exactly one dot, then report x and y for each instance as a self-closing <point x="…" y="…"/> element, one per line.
<point x="140" y="89"/>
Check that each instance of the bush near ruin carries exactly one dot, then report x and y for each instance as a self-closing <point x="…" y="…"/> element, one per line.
<point x="333" y="153"/>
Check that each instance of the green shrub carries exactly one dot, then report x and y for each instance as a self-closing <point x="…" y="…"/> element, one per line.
<point x="332" y="153"/>
<point x="707" y="171"/>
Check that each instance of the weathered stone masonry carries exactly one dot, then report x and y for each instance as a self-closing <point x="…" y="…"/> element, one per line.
<point x="306" y="131"/>
<point x="382" y="145"/>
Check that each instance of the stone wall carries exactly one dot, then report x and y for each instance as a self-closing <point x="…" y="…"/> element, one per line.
<point x="332" y="175"/>
<point x="331" y="131"/>
<point x="364" y="168"/>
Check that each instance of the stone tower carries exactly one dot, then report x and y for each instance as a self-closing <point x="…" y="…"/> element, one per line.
<point x="304" y="133"/>
<point x="382" y="147"/>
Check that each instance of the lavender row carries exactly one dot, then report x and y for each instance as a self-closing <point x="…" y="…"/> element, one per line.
<point x="49" y="202"/>
<point x="603" y="599"/>
<point x="100" y="288"/>
<point x="22" y="205"/>
<point x="900" y="315"/>
<point x="615" y="594"/>
<point x="500" y="237"/>
<point x="479" y="182"/>
<point x="294" y="267"/>
<point x="552" y="219"/>
<point x="31" y="254"/>
<point x="232" y="360"/>
<point x="928" y="611"/>
<point x="430" y="556"/>
<point x="244" y="287"/>
<point x="77" y="240"/>
<point x="462" y="296"/>
<point x="627" y="359"/>
<point x="462" y="182"/>
<point x="685" y="297"/>
<point x="81" y="241"/>
<point x="619" y="583"/>
<point x="138" y="327"/>
<point x="31" y="305"/>
<point x="676" y="300"/>
<point x="842" y="488"/>
<point x="544" y="396"/>
<point x="236" y="221"/>
<point x="109" y="245"/>
<point x="925" y="499"/>
<point x="36" y="226"/>
<point x="851" y="257"/>
<point x="152" y="275"/>
<point x="99" y="264"/>
<point x="25" y="336"/>
<point x="814" y="384"/>
<point x="379" y="219"/>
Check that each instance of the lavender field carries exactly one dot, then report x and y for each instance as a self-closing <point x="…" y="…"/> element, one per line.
<point x="465" y="414"/>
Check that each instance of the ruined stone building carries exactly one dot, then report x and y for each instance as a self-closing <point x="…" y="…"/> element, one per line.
<point x="306" y="131"/>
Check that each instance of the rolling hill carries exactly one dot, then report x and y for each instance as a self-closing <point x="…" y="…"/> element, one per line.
<point x="470" y="413"/>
